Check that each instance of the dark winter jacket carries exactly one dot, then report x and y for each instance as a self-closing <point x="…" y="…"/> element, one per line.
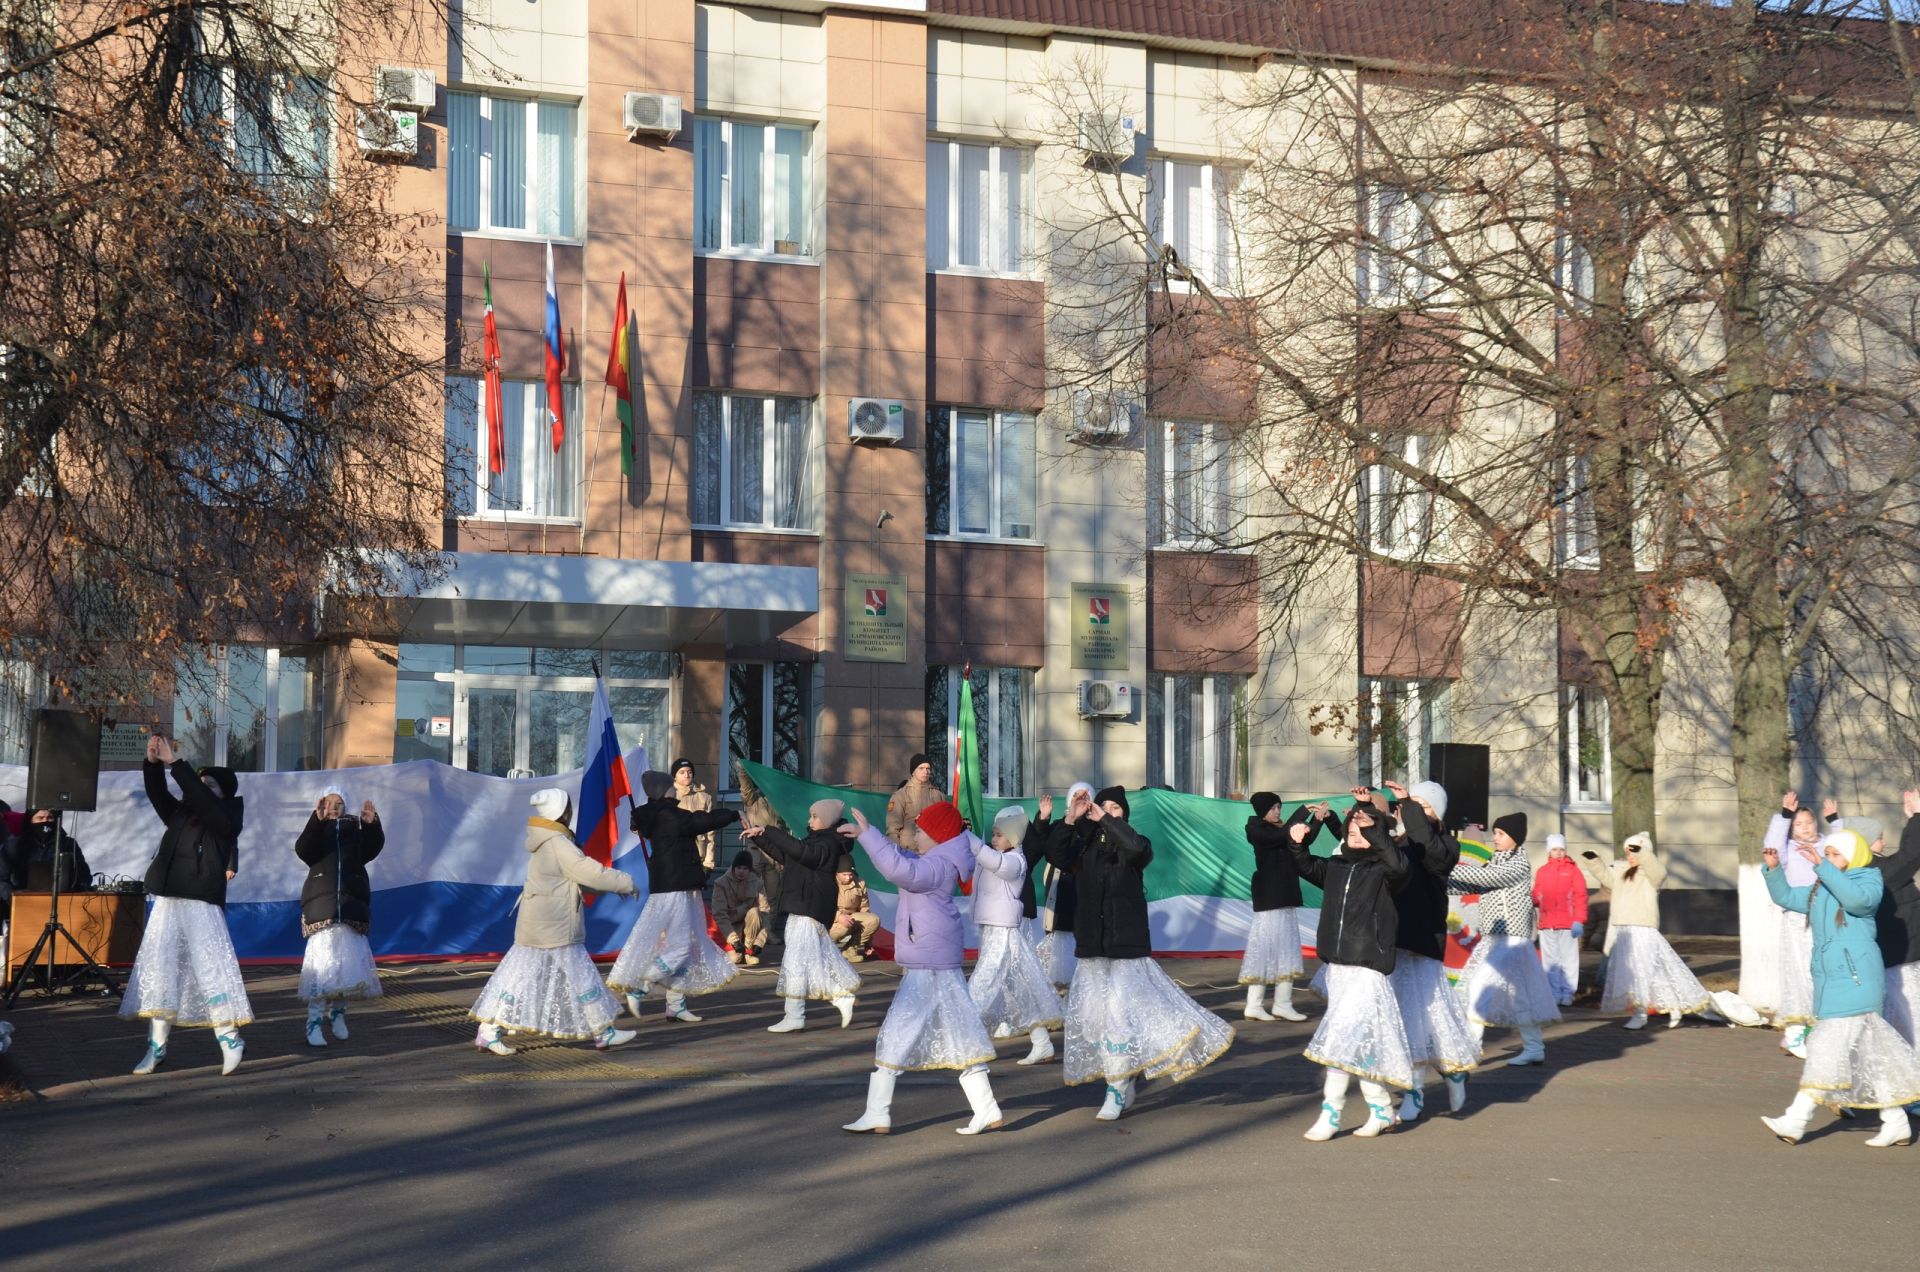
<point x="1897" y="921"/>
<point x="1047" y="843"/>
<point x="337" y="889"/>
<point x="807" y="885"/>
<point x="1107" y="861"/>
<point x="673" y="835"/>
<point x="1276" y="884"/>
<point x="34" y="846"/>
<point x="1358" y="918"/>
<point x="202" y="839"/>
<point x="1432" y="853"/>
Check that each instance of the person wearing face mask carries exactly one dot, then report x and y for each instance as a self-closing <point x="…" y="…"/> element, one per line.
<point x="1273" y="955"/>
<point x="1503" y="980"/>
<point x="1792" y="828"/>
<point x="185" y="972"/>
<point x="912" y="798"/>
<point x="1855" y="1059"/>
<point x="336" y="910"/>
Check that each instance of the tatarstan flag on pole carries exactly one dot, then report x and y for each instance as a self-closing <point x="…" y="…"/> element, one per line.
<point x="495" y="405"/>
<point x="966" y="761"/>
<point x="626" y="334"/>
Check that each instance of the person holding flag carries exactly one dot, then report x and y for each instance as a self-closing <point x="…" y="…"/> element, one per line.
<point x="669" y="945"/>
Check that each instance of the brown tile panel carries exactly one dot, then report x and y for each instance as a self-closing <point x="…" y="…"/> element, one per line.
<point x="986" y="603"/>
<point x="519" y="301"/>
<point x="1411" y="374"/>
<point x="1206" y="613"/>
<point x="1198" y="365"/>
<point x="1410" y="624"/>
<point x="986" y="341"/>
<point x="747" y="548"/>
<point x="756" y="326"/>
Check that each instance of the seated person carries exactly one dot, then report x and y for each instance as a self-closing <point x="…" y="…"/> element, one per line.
<point x="740" y="910"/>
<point x="30" y="857"/>
<point x="854" y="923"/>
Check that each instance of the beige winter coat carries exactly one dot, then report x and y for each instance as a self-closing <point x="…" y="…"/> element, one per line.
<point x="905" y="807"/>
<point x="1636" y="901"/>
<point x="557" y="870"/>
<point x="698" y="799"/>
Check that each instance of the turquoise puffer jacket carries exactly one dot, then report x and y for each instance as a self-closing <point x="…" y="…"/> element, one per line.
<point x="1848" y="976"/>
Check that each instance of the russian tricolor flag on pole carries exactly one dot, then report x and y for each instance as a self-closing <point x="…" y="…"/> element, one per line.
<point x="556" y="357"/>
<point x="604" y="783"/>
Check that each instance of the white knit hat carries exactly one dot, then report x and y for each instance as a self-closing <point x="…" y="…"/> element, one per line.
<point x="1011" y="821"/>
<point x="1556" y="840"/>
<point x="1433" y="793"/>
<point x="550" y="803"/>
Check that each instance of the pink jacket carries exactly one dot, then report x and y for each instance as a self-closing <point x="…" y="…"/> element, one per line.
<point x="1560" y="892"/>
<point x="926" y="928"/>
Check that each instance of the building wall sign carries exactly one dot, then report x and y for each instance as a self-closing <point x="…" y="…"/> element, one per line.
<point x="1097" y="621"/>
<point x="876" y="614"/>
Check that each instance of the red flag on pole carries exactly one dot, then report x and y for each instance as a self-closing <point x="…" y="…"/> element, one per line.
<point x="495" y="407"/>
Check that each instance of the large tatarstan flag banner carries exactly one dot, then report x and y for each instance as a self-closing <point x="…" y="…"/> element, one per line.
<point x="556" y="354"/>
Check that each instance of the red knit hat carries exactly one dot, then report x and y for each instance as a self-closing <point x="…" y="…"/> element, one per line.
<point x="941" y="822"/>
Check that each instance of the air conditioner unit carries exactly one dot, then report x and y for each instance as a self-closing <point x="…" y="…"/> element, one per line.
<point x="650" y="113"/>
<point x="389" y="134"/>
<point x="407" y="86"/>
<point x="1105" y="700"/>
<point x="876" y="420"/>
<point x="1108" y="137"/>
<point x="1101" y="417"/>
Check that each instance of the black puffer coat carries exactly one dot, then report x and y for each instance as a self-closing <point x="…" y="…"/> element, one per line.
<point x="1358" y="918"/>
<point x="673" y="835"/>
<point x="1039" y="831"/>
<point x="337" y="889"/>
<point x="1897" y="921"/>
<point x="202" y="840"/>
<point x="1107" y="861"/>
<point x="807" y="885"/>
<point x="1276" y="883"/>
<point x="1432" y="854"/>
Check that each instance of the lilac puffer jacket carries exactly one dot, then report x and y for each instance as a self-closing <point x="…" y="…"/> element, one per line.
<point x="927" y="931"/>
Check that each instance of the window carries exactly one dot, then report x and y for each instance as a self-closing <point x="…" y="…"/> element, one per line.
<point x="1002" y="701"/>
<point x="769" y="717"/>
<point x="1576" y="265"/>
<point x="1189" y="210"/>
<point x="755" y="462"/>
<point x="251" y="708"/>
<point x="23" y="689"/>
<point x="511" y="165"/>
<point x="980" y="473"/>
<point x="536" y="482"/>
<point x="1589" y="751"/>
<point x="976" y="207"/>
<point x="1577" y="533"/>
<point x="1197" y="734"/>
<point x="1399" y="720"/>
<point x="1402" y="514"/>
<point x="1398" y="257"/>
<point x="1198" y="480"/>
<point x="278" y="128"/>
<point x="26" y="106"/>
<point x="752" y="187"/>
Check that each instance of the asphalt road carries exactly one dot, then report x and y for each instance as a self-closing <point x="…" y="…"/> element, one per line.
<point x="716" y="1146"/>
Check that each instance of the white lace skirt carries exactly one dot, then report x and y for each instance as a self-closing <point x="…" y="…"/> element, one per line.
<point x="1644" y="974"/>
<point x="811" y="965"/>
<point x="1796" y="970"/>
<point x="338" y="964"/>
<point x="1126" y="1018"/>
<point x="1008" y="985"/>
<point x="669" y="946"/>
<point x="1504" y="984"/>
<point x="1057" y="955"/>
<point x="1902" y="1007"/>
<point x="1438" y="1034"/>
<point x="1860" y="1062"/>
<point x="1361" y="1032"/>
<point x="932" y="1024"/>
<point x="1273" y="948"/>
<point x="556" y="992"/>
<point x="186" y="971"/>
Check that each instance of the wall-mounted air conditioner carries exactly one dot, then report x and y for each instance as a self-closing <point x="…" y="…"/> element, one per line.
<point x="1105" y="137"/>
<point x="1102" y="417"/>
<point x="657" y="113"/>
<point x="405" y="86"/>
<point x="876" y="420"/>
<point x="389" y="134"/>
<point x="1105" y="700"/>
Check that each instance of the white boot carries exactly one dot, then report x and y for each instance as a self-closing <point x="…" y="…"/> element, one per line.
<point x="1674" y="1018"/>
<point x="845" y="1004"/>
<point x="1895" y="1130"/>
<point x="1456" y="1092"/>
<point x="1256" y="1008"/>
<point x="231" y="1049"/>
<point x="1119" y="1100"/>
<point x="1002" y="1030"/>
<point x="1042" y="1047"/>
<point x="795" y="1019"/>
<point x="611" y="1037"/>
<point x="1636" y="1021"/>
<point x="1792" y="1124"/>
<point x="316" y="1036"/>
<point x="1283" y="1002"/>
<point x="338" y="1015"/>
<point x="488" y="1039"/>
<point x="1379" y="1109"/>
<point x="878" y="1119"/>
<point x="677" y="1009"/>
<point x="1533" y="1048"/>
<point x="157" y="1031"/>
<point x="1333" y="1099"/>
<point x="1414" y="1103"/>
<point x="979" y="1089"/>
<point x="633" y="1005"/>
<point x="1796" y="1041"/>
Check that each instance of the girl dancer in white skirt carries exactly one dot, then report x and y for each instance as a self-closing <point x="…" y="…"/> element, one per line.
<point x="1008" y="984"/>
<point x="186" y="972"/>
<point x="1643" y="972"/>
<point x="1438" y="1035"/>
<point x="669" y="945"/>
<point x="336" y="909"/>
<point x="1059" y="897"/>
<point x="933" y="1023"/>
<point x="1361" y="1035"/>
<point x="1897" y="923"/>
<point x="1126" y="1019"/>
<point x="1503" y="980"/>
<point x="1273" y="954"/>
<point x="811" y="965"/>
<point x="1855" y="1059"/>
<point x="547" y="983"/>
<point x="1794" y="827"/>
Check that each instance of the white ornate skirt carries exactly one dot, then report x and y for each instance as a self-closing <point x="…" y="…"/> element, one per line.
<point x="1860" y="1062"/>
<point x="338" y="964"/>
<point x="556" y="992"/>
<point x="1902" y="1007"/>
<point x="1273" y="948"/>
<point x="1057" y="955"/>
<point x="186" y="971"/>
<point x="1361" y="1032"/>
<point x="1008" y="985"/>
<point x="1504" y="984"/>
<point x="1644" y="974"/>
<point x="1126" y="1018"/>
<point x="1438" y="1034"/>
<point x="932" y="1024"/>
<point x="811" y="965"/>
<point x="1796" y="970"/>
<point x="669" y="946"/>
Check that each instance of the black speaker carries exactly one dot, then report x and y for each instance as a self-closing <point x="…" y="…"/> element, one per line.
<point x="63" y="769"/>
<point x="1461" y="767"/>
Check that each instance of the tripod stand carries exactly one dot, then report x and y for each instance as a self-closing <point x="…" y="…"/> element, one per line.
<point x="88" y="969"/>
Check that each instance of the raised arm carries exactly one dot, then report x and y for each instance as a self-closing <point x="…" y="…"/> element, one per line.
<point x="1795" y="899"/>
<point x="1011" y="866"/>
<point x="1652" y="867"/>
<point x="315" y="841"/>
<point x="1491" y="877"/>
<point x="904" y="870"/>
<point x="372" y="839"/>
<point x="1129" y="845"/>
<point x="1439" y="851"/>
<point x="1395" y="861"/>
<point x="1857" y="891"/>
<point x="1311" y="868"/>
<point x="1596" y="870"/>
<point x="1903" y="863"/>
<point x="154" y="775"/>
<point x="776" y="843"/>
<point x="203" y="803"/>
<point x="707" y="822"/>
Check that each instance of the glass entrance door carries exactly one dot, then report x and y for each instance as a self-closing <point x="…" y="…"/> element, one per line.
<point x="536" y="725"/>
<point x="493" y="735"/>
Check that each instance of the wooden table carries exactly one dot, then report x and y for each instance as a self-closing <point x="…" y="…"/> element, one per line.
<point x="107" y="925"/>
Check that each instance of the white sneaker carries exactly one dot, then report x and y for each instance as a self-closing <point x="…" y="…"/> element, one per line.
<point x="151" y="1061"/>
<point x="1328" y="1123"/>
<point x="231" y="1049"/>
<point x="1636" y="1021"/>
<point x="611" y="1037"/>
<point x="339" y="1018"/>
<point x="488" y="1039"/>
<point x="316" y="1036"/>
